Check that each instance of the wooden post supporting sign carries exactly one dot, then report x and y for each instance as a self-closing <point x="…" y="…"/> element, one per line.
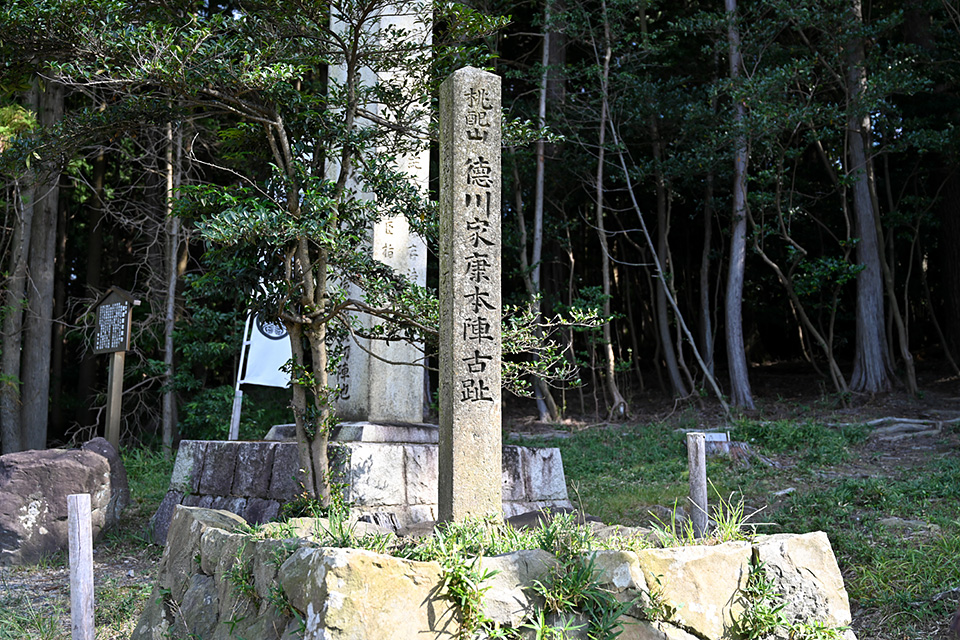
<point x="114" y="313"/>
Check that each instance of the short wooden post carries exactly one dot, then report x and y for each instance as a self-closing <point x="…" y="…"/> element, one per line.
<point x="115" y="397"/>
<point x="81" y="566"/>
<point x="697" y="459"/>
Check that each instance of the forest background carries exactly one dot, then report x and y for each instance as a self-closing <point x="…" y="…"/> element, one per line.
<point x="728" y="185"/>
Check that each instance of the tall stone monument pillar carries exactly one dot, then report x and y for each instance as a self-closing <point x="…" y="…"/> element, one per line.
<point x="375" y="390"/>
<point x="470" y="304"/>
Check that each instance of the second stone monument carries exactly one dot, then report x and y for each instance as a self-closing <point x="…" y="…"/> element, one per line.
<point x="470" y="304"/>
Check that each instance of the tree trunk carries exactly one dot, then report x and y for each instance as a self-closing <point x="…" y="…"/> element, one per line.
<point x="668" y="346"/>
<point x="172" y="232"/>
<point x="871" y="370"/>
<point x="38" y="327"/>
<point x="24" y="199"/>
<point x="618" y="406"/>
<point x="59" y="327"/>
<point x="706" y="318"/>
<point x="88" y="365"/>
<point x="740" y="394"/>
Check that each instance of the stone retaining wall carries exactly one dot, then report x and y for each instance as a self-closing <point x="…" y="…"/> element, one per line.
<point x="392" y="484"/>
<point x="215" y="583"/>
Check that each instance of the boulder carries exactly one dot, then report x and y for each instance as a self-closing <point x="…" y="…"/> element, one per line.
<point x="509" y="598"/>
<point x="119" y="487"/>
<point x="400" y="598"/>
<point x="34" y="486"/>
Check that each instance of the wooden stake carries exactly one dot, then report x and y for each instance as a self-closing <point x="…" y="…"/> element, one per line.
<point x="81" y="566"/>
<point x="697" y="459"/>
<point x="114" y="397"/>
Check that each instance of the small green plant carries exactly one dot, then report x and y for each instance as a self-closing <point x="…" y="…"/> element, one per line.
<point x="462" y="581"/>
<point x="240" y="575"/>
<point x="657" y="606"/>
<point x="543" y="630"/>
<point x="763" y="612"/>
<point x="675" y="533"/>
<point x="764" y="616"/>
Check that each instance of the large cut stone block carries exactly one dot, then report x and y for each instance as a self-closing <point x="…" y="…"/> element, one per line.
<point x="514" y="485"/>
<point x="178" y="563"/>
<point x="543" y="474"/>
<point x="702" y="583"/>
<point x="254" y="460"/>
<point x="374" y="473"/>
<point x="188" y="466"/>
<point x="284" y="479"/>
<point x="400" y="598"/>
<point x="219" y="464"/>
<point x="420" y="466"/>
<point x="805" y="572"/>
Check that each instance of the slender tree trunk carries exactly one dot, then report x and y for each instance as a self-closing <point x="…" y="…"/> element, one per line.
<point x="14" y="296"/>
<point x="706" y="319"/>
<point x="88" y="365"/>
<point x="871" y="370"/>
<point x="740" y="394"/>
<point x="38" y="327"/>
<point x="545" y="403"/>
<point x="172" y="232"/>
<point x="618" y="406"/>
<point x="668" y="346"/>
<point x="59" y="325"/>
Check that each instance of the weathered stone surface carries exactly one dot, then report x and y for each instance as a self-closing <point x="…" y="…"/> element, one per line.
<point x="219" y="465"/>
<point x="470" y="482"/>
<point x="34" y="486"/>
<point x="178" y="563"/>
<point x="353" y="594"/>
<point x="200" y="607"/>
<point x="259" y="510"/>
<point x="509" y="599"/>
<point x="409" y="433"/>
<point x="281" y="433"/>
<point x="160" y="522"/>
<point x="119" y="487"/>
<point x="514" y="486"/>
<point x="701" y="582"/>
<point x="215" y="544"/>
<point x="188" y="466"/>
<point x="420" y="464"/>
<point x="253" y="460"/>
<point x="374" y="474"/>
<point x="805" y="572"/>
<point x="400" y="597"/>
<point x="543" y="474"/>
<point x="156" y="619"/>
<point x="286" y="465"/>
<point x="633" y="629"/>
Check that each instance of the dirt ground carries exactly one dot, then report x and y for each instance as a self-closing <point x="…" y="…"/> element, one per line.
<point x="780" y="391"/>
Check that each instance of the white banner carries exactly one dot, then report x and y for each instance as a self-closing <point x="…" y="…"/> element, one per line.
<point x="268" y="351"/>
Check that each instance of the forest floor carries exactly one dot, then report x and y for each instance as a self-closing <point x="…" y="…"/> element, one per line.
<point x="888" y="499"/>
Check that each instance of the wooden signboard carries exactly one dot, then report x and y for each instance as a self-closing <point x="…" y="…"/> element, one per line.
<point x="114" y="313"/>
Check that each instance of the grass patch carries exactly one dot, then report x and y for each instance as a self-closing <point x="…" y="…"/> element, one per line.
<point x="896" y="533"/>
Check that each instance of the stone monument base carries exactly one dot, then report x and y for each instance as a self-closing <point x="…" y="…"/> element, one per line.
<point x="393" y="484"/>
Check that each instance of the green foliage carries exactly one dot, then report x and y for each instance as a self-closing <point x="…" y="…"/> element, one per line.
<point x="817" y="443"/>
<point x="240" y="574"/>
<point x="148" y="473"/>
